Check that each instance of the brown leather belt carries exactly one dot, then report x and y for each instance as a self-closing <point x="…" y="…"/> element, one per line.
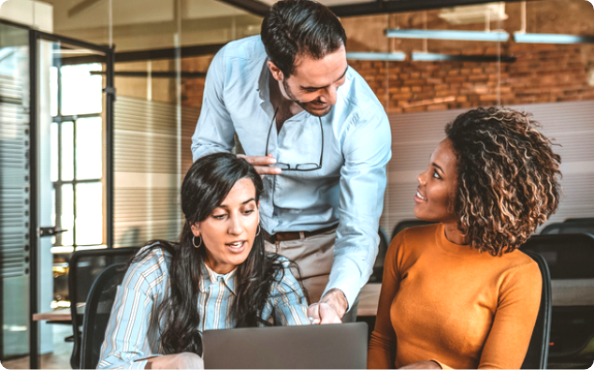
<point x="293" y="235"/>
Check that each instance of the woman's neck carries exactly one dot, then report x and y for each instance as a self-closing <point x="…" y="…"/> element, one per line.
<point x="453" y="234"/>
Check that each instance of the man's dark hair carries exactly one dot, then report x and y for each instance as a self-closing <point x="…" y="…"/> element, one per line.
<point x="300" y="26"/>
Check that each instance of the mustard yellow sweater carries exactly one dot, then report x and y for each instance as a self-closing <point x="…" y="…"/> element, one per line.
<point x="449" y="303"/>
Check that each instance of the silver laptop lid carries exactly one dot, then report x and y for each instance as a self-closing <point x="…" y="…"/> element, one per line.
<point x="340" y="346"/>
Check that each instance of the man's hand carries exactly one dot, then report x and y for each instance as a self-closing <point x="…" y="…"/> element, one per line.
<point x="184" y="360"/>
<point x="330" y="309"/>
<point x="322" y="313"/>
<point x="262" y="164"/>
<point x="422" y="365"/>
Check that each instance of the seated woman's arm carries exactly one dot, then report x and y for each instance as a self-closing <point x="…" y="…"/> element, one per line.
<point x="127" y="341"/>
<point x="382" y="345"/>
<point x="287" y="304"/>
<point x="519" y="302"/>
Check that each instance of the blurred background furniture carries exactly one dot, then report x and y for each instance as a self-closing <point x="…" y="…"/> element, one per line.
<point x="85" y="267"/>
<point x="97" y="311"/>
<point x="538" y="350"/>
<point x="378" y="267"/>
<point x="570" y="226"/>
<point x="570" y="258"/>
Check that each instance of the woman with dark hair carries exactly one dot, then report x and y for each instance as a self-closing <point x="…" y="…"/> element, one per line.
<point x="459" y="294"/>
<point x="217" y="276"/>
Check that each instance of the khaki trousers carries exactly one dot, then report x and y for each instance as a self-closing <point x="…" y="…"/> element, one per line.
<point x="314" y="257"/>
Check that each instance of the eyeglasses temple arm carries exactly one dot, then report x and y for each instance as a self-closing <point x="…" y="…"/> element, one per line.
<point x="322" y="152"/>
<point x="270" y="130"/>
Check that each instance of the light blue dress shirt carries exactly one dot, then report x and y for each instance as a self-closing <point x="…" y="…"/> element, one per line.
<point x="349" y="188"/>
<point x="134" y="328"/>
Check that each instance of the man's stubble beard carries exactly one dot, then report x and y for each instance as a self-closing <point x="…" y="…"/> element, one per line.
<point x="301" y="104"/>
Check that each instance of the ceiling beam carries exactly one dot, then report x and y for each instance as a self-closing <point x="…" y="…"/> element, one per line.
<point x="367" y="8"/>
<point x="398" y="6"/>
<point x="250" y="6"/>
<point x="160" y="74"/>
<point x="144" y="55"/>
<point x="168" y="53"/>
<point x="81" y="7"/>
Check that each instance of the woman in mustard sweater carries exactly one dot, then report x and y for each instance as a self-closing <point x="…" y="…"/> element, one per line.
<point x="459" y="294"/>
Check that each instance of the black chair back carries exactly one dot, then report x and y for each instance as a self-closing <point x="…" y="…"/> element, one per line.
<point x="406" y="224"/>
<point x="571" y="226"/>
<point x="84" y="267"/>
<point x="570" y="258"/>
<point x="589" y="220"/>
<point x="97" y="312"/>
<point x="378" y="266"/>
<point x="538" y="350"/>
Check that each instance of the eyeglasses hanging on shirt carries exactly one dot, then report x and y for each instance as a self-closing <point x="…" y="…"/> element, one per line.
<point x="300" y="166"/>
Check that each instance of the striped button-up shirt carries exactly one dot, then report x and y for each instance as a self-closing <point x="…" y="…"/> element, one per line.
<point x="134" y="326"/>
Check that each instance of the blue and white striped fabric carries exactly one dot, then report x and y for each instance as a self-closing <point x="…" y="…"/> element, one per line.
<point x="133" y="330"/>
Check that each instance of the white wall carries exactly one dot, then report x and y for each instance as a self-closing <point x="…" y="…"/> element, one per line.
<point x="31" y="13"/>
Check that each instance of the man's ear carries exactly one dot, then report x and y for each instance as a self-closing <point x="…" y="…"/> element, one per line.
<point x="195" y="229"/>
<point x="276" y="72"/>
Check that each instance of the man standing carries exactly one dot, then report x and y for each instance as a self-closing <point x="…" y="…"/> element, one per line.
<point x="317" y="133"/>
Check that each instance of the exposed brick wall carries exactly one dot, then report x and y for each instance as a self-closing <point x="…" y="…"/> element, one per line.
<point x="541" y="74"/>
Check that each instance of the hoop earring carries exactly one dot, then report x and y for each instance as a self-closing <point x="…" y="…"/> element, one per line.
<point x="259" y="229"/>
<point x="194" y="242"/>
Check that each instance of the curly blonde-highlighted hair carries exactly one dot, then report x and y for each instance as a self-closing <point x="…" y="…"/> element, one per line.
<point x="508" y="177"/>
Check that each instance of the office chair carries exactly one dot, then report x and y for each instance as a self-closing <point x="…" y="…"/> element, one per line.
<point x="538" y="350"/>
<point x="581" y="220"/>
<point x="97" y="311"/>
<point x="378" y="267"/>
<point x="570" y="226"/>
<point x="406" y="224"/>
<point x="84" y="267"/>
<point x="570" y="258"/>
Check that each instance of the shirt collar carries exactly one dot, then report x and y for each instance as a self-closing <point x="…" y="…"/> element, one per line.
<point x="213" y="277"/>
<point x="262" y="87"/>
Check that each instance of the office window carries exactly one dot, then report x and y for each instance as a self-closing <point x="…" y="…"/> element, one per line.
<point x="77" y="156"/>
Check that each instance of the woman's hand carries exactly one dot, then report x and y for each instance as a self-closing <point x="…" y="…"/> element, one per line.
<point x="184" y="360"/>
<point x="422" y="365"/>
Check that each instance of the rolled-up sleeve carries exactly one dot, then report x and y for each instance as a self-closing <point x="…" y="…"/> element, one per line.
<point x="214" y="130"/>
<point x="131" y="327"/>
<point x="366" y="150"/>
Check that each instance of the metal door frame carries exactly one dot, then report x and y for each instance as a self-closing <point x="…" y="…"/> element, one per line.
<point x="34" y="37"/>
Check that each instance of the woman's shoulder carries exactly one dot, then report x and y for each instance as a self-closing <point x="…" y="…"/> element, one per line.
<point x="419" y="233"/>
<point x="518" y="272"/>
<point x="150" y="265"/>
<point x="412" y="239"/>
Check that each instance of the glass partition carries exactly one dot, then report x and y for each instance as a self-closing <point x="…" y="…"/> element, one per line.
<point x="14" y="190"/>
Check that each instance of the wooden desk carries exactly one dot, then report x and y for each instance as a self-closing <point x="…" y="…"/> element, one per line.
<point x="62" y="314"/>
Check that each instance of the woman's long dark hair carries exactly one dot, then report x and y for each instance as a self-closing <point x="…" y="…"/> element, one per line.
<point x="206" y="185"/>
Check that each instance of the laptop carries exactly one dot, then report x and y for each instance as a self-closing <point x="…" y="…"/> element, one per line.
<point x="338" y="346"/>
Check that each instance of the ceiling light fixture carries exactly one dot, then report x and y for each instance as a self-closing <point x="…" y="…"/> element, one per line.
<point x="433" y="57"/>
<point x="390" y="57"/>
<point x="492" y="36"/>
<point x="547" y="38"/>
<point x="550" y="38"/>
